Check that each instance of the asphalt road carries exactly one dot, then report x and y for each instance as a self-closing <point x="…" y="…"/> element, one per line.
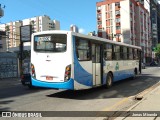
<point x="15" y="97"/>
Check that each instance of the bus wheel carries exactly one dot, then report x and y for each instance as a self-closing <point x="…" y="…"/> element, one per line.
<point x="109" y="80"/>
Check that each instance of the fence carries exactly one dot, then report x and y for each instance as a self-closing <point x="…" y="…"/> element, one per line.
<point x="8" y="65"/>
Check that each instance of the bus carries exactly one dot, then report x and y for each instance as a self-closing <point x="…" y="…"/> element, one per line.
<point x="68" y="60"/>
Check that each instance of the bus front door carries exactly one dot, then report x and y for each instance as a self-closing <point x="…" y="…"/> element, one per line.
<point x="96" y="64"/>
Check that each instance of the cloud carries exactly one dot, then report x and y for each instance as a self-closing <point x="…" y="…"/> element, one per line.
<point x="81" y="30"/>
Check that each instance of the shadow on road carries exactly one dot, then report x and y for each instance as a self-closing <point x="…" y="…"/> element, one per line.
<point x="17" y="90"/>
<point x="124" y="88"/>
<point x="5" y="102"/>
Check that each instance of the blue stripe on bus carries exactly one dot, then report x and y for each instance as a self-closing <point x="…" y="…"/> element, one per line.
<point x="59" y="85"/>
<point x="80" y="74"/>
<point x="120" y="75"/>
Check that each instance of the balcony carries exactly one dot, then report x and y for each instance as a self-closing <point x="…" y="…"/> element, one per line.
<point x="99" y="26"/>
<point x="98" y="11"/>
<point x="117" y="7"/>
<point x="118" y="23"/>
<point x="118" y="31"/>
<point x="99" y="19"/>
<point x="118" y="39"/>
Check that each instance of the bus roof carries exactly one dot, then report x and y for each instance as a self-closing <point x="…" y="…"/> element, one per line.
<point x="87" y="37"/>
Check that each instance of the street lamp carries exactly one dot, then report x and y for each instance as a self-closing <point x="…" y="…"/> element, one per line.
<point x="1" y="11"/>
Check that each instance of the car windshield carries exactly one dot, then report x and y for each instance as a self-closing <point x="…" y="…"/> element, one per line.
<point x="50" y="43"/>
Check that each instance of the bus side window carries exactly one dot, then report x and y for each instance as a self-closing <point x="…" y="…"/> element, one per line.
<point x="83" y="49"/>
<point x="117" y="52"/>
<point x="108" y="52"/>
<point x="130" y="54"/>
<point x="134" y="54"/>
<point x="125" y="53"/>
<point x="121" y="53"/>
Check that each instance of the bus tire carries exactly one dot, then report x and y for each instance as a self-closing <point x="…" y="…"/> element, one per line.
<point x="109" y="80"/>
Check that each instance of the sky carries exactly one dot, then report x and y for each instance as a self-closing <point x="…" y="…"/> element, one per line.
<point x="78" y="12"/>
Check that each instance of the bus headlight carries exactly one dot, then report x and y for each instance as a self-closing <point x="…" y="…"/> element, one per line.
<point x="33" y="71"/>
<point x="67" y="73"/>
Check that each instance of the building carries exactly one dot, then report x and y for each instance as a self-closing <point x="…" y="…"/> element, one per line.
<point x="74" y="28"/>
<point x="154" y="22"/>
<point x="39" y="23"/>
<point x="2" y="41"/>
<point x="125" y="21"/>
<point x="42" y="23"/>
<point x="158" y="22"/>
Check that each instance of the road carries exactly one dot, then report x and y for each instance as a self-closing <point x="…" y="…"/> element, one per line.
<point x="15" y="97"/>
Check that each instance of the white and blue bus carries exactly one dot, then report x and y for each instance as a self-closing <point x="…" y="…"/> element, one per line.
<point x="69" y="60"/>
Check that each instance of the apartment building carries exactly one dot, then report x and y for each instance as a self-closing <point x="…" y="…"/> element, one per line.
<point x="39" y="23"/>
<point x="125" y="21"/>
<point x="42" y="23"/>
<point x="2" y="41"/>
<point x="12" y="36"/>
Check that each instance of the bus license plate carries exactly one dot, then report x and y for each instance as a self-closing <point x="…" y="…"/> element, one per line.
<point x="49" y="78"/>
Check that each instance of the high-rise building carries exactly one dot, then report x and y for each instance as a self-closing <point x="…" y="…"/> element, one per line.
<point x="12" y="30"/>
<point x="158" y="22"/>
<point x="154" y="22"/>
<point x="125" y="21"/>
<point x="42" y="23"/>
<point x="39" y="23"/>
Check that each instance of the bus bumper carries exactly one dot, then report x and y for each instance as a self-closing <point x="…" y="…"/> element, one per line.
<point x="58" y="85"/>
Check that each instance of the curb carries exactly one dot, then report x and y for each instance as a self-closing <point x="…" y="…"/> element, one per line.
<point x="140" y="97"/>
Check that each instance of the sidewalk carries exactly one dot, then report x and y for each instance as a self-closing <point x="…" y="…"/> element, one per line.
<point x="146" y="109"/>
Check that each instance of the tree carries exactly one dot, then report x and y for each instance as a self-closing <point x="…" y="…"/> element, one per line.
<point x="157" y="50"/>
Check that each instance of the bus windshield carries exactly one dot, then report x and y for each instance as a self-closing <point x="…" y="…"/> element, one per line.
<point x="50" y="43"/>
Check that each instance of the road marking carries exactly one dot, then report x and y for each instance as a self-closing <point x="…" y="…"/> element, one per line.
<point x="117" y="104"/>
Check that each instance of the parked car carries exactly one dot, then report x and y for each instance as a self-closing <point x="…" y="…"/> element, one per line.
<point x="143" y="65"/>
<point x="26" y="80"/>
<point x="153" y="63"/>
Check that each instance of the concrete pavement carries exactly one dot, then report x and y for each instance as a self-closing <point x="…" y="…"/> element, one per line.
<point x="146" y="109"/>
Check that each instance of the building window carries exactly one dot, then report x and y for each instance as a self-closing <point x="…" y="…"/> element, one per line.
<point x="99" y="15"/>
<point x="117" y="20"/>
<point x="99" y="23"/>
<point x="110" y="7"/>
<point x="117" y="4"/>
<point x="118" y="27"/>
<point x="117" y="12"/>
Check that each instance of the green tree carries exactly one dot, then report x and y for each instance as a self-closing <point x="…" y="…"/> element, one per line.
<point x="157" y="50"/>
